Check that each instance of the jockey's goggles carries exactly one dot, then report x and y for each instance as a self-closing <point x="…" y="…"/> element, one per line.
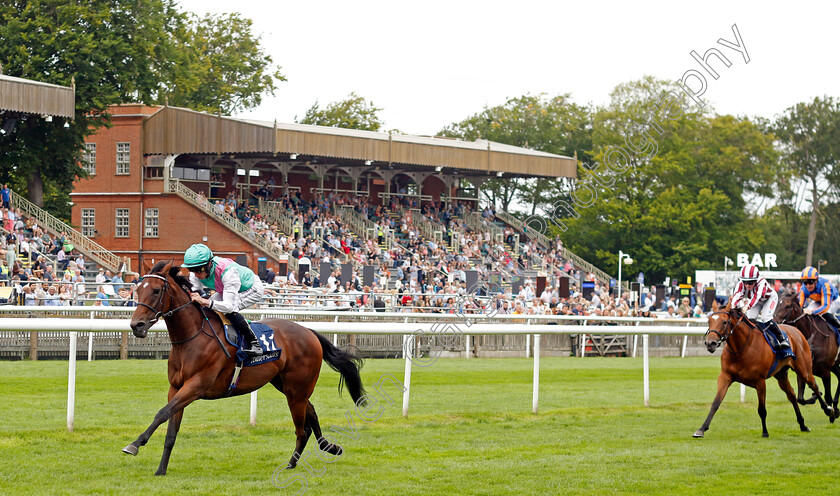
<point x="809" y="281"/>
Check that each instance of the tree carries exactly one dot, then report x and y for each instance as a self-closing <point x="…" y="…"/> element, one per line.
<point x="354" y="112"/>
<point x="107" y="48"/>
<point x="219" y="66"/>
<point x="670" y="184"/>
<point x="808" y="134"/>
<point x="538" y="122"/>
<point x="115" y="51"/>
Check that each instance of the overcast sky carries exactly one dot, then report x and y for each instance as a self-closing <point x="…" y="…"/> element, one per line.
<point x="432" y="63"/>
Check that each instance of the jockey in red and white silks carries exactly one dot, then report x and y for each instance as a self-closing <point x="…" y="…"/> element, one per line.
<point x="754" y="295"/>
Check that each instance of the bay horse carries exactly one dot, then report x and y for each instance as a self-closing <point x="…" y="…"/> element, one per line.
<point x="821" y="339"/>
<point x="201" y="367"/>
<point x="748" y="359"/>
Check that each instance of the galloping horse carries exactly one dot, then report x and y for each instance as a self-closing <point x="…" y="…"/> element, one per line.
<point x="821" y="339"/>
<point x="748" y="359"/>
<point x="200" y="368"/>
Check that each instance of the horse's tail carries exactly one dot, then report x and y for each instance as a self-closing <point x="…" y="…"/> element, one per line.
<point x="346" y="363"/>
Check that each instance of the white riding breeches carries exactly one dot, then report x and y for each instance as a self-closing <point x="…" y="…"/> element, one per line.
<point x="763" y="312"/>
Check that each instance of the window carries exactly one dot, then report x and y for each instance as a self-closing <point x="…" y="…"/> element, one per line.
<point x="88" y="222"/>
<point x="89" y="159"/>
<point x="154" y="172"/>
<point x="122" y="223"/>
<point x="151" y="223"/>
<point x="123" y="158"/>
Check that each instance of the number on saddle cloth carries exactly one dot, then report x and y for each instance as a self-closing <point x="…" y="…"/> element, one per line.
<point x="265" y="335"/>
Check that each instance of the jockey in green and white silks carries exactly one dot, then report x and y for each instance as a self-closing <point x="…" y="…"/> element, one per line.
<point x="236" y="287"/>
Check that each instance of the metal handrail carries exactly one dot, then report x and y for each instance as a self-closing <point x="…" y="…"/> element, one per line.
<point x="543" y="240"/>
<point x="275" y="212"/>
<point x="239" y="228"/>
<point x="84" y="244"/>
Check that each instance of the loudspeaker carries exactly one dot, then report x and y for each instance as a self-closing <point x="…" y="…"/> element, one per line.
<point x="261" y="268"/>
<point x="518" y="281"/>
<point x="563" y="287"/>
<point x="541" y="281"/>
<point x="587" y="288"/>
<point x="708" y="299"/>
<point x="346" y="273"/>
<point x="242" y="260"/>
<point x="368" y="275"/>
<point x="637" y="288"/>
<point x="472" y="281"/>
<point x="325" y="271"/>
<point x="660" y="295"/>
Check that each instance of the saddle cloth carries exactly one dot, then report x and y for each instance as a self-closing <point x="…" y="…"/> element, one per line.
<point x="770" y="337"/>
<point x="836" y="331"/>
<point x="265" y="335"/>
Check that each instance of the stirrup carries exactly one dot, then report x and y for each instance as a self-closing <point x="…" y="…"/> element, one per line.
<point x="254" y="350"/>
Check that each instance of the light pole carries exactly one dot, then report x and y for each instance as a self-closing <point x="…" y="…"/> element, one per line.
<point x="820" y="264"/>
<point x="726" y="262"/>
<point x="625" y="258"/>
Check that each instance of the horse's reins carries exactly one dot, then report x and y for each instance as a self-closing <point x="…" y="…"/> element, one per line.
<point x="810" y="322"/>
<point x="159" y="314"/>
<point x="725" y="336"/>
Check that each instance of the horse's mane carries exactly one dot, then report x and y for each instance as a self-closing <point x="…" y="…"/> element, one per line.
<point x="174" y="273"/>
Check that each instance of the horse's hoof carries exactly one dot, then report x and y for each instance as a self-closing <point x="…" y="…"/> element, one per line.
<point x="765" y="434"/>
<point x="333" y="449"/>
<point x="130" y="449"/>
<point x="698" y="434"/>
<point x="804" y="429"/>
<point x="160" y="472"/>
<point x="290" y="467"/>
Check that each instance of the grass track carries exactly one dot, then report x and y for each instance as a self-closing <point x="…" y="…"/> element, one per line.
<point x="470" y="431"/>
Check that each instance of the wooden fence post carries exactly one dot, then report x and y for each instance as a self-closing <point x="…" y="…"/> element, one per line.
<point x="33" y="345"/>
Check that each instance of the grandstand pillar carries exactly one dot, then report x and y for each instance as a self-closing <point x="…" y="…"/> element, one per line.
<point x="477" y="181"/>
<point x="284" y="168"/>
<point x="247" y="164"/>
<point x="448" y="181"/>
<point x="320" y="170"/>
<point x="355" y="173"/>
<point x="387" y="176"/>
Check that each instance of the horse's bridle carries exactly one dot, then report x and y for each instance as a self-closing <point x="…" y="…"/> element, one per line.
<point x="159" y="303"/>
<point x="811" y="324"/>
<point x="159" y="314"/>
<point x="724" y="336"/>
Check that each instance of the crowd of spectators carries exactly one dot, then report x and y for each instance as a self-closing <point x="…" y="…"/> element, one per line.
<point x="48" y="270"/>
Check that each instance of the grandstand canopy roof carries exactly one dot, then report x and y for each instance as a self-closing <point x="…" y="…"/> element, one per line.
<point x="34" y="97"/>
<point x="178" y="131"/>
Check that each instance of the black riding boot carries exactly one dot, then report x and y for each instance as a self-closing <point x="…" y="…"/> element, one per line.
<point x="774" y="328"/>
<point x="831" y="319"/>
<point x="252" y="347"/>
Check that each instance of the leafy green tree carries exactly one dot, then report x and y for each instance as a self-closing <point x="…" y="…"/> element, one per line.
<point x="107" y="47"/>
<point x="115" y="51"/>
<point x="354" y="112"/>
<point x="808" y="134"/>
<point x="219" y="66"/>
<point x="539" y="122"/>
<point x="670" y="184"/>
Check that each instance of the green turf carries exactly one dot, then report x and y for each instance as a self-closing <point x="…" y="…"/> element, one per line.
<point x="470" y="431"/>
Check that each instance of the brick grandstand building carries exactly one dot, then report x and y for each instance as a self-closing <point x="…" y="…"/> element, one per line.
<point x="144" y="172"/>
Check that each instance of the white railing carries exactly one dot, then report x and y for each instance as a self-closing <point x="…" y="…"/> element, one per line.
<point x="84" y="244"/>
<point x="276" y="212"/>
<point x="410" y="332"/>
<point x="230" y="221"/>
<point x="355" y="221"/>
